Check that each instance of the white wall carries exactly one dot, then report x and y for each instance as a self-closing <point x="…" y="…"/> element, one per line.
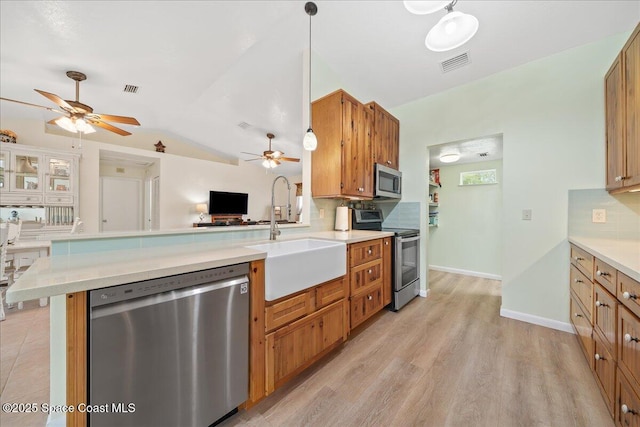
<point x="469" y="235"/>
<point x="184" y="181"/>
<point x="551" y="113"/>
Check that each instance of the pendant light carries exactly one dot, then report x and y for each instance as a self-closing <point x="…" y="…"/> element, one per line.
<point x="310" y="142"/>
<point x="452" y="31"/>
<point x="425" y="7"/>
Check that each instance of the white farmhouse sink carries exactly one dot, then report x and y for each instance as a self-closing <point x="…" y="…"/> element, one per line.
<point x="294" y="265"/>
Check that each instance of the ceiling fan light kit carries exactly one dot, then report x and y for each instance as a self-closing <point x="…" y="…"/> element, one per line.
<point x="310" y="141"/>
<point x="450" y="158"/>
<point x="452" y="30"/>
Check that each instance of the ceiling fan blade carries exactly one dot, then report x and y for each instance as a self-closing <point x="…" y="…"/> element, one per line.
<point x="253" y="160"/>
<point x="117" y="119"/>
<point x="289" y="159"/>
<point x="253" y="154"/>
<point x="109" y="127"/>
<point x="32" y="105"/>
<point x="56" y="99"/>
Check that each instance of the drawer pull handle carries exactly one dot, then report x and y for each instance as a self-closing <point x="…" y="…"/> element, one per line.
<point x="602" y="273"/>
<point x="577" y="280"/>
<point x="598" y="357"/>
<point x="577" y="314"/>
<point x="629" y="338"/>
<point x="369" y="297"/>
<point x="625" y="410"/>
<point x="627" y="295"/>
<point x="577" y="258"/>
<point x="370" y="271"/>
<point x="601" y="304"/>
<point x="370" y="251"/>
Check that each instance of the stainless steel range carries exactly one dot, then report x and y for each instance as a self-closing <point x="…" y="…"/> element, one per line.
<point x="406" y="255"/>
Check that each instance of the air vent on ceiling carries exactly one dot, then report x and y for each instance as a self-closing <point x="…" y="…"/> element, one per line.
<point x="130" y="89"/>
<point x="244" y="125"/>
<point x="455" y="62"/>
<point x="483" y="154"/>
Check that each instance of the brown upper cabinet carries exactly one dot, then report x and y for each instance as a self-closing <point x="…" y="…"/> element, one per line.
<point x="341" y="165"/>
<point x="622" y="109"/>
<point x="386" y="136"/>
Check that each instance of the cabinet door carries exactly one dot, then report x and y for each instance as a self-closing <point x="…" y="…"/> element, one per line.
<point x="59" y="173"/>
<point x="631" y="61"/>
<point x="629" y="343"/>
<point x="26" y="173"/>
<point x="604" y="368"/>
<point x="582" y="289"/>
<point x="614" y="99"/>
<point x="394" y="143"/>
<point x="627" y="402"/>
<point x="605" y="317"/>
<point x="365" y="305"/>
<point x="583" y="329"/>
<point x="366" y="276"/>
<point x="357" y="175"/>
<point x="4" y="167"/>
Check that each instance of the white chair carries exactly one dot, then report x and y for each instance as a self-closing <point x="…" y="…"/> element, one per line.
<point x="4" y="278"/>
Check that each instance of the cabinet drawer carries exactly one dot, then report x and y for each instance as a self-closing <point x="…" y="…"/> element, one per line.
<point x="629" y="343"/>
<point x="604" y="368"/>
<point x="583" y="329"/>
<point x="605" y="317"/>
<point x="582" y="288"/>
<point x="365" y="276"/>
<point x="605" y="275"/>
<point x="332" y="291"/>
<point x="627" y="411"/>
<point x="287" y="310"/>
<point x="366" y="305"/>
<point x="362" y="252"/>
<point x="8" y="198"/>
<point x="25" y="259"/>
<point x="629" y="292"/>
<point x="583" y="260"/>
<point x="64" y="199"/>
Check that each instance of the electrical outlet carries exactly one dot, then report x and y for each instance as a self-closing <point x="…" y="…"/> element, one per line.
<point x="599" y="215"/>
<point x="321" y="213"/>
<point x="526" y="214"/>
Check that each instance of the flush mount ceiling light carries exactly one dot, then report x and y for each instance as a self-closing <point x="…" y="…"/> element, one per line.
<point x="310" y="142"/>
<point x="450" y="157"/>
<point x="452" y="31"/>
<point x="425" y="7"/>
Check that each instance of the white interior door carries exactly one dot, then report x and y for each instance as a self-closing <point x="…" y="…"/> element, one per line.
<point x="121" y="204"/>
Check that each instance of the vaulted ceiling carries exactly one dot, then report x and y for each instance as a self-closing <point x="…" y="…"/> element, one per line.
<point x="203" y="67"/>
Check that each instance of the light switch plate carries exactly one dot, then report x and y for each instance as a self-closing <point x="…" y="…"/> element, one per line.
<point x="526" y="214"/>
<point x="599" y="215"/>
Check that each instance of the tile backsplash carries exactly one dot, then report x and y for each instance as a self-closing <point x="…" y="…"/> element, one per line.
<point x="622" y="214"/>
<point x="402" y="215"/>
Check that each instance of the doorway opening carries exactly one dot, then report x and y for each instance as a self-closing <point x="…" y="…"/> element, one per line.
<point x="129" y="192"/>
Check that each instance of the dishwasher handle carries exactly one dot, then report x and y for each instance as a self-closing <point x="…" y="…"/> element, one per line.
<point x="145" y="301"/>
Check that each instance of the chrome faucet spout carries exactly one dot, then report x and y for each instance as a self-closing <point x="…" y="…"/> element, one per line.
<point x="273" y="229"/>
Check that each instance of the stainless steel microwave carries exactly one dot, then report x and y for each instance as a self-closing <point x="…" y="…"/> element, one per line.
<point x="388" y="183"/>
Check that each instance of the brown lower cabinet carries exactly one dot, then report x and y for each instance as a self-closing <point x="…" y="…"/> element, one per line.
<point x="627" y="411"/>
<point x="604" y="369"/>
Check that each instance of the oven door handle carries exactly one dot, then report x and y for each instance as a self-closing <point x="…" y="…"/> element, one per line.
<point x="408" y="239"/>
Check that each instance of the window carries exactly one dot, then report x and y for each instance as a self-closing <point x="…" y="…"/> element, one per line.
<point x="488" y="176"/>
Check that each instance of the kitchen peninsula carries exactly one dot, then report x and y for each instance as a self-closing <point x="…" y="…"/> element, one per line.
<point x="68" y="275"/>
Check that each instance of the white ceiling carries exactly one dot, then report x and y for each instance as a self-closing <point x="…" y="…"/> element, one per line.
<point x="205" y="66"/>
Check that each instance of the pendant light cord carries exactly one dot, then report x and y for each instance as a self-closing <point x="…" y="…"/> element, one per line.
<point x="309" y="83"/>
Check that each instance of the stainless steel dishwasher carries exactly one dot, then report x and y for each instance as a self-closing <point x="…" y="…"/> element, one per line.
<point x="172" y="351"/>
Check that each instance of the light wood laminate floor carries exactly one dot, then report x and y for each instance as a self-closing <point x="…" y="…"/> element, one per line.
<point x="448" y="360"/>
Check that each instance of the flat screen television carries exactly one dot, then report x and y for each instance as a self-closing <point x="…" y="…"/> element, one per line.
<point x="225" y="203"/>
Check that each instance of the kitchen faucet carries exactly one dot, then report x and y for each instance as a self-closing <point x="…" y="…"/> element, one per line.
<point x="274" y="232"/>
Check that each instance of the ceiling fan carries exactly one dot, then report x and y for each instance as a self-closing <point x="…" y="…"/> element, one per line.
<point x="271" y="159"/>
<point x="79" y="117"/>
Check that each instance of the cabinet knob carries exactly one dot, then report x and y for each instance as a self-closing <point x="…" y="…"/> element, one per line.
<point x="386" y="243"/>
<point x="625" y="410"/>
<point x="577" y="314"/>
<point x="370" y="251"/>
<point x="620" y="178"/>
<point x="598" y="357"/>
<point x="577" y="258"/>
<point x="369" y="297"/>
<point x="602" y="273"/>
<point x="601" y="304"/>
<point x="388" y="162"/>
<point x="629" y="338"/>
<point x="627" y="295"/>
<point x="370" y="271"/>
<point x="577" y="280"/>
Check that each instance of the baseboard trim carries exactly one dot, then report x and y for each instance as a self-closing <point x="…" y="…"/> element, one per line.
<point x="466" y="272"/>
<point x="424" y="293"/>
<point x="537" y="320"/>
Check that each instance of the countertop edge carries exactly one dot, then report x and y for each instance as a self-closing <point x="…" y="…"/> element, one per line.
<point x="599" y="248"/>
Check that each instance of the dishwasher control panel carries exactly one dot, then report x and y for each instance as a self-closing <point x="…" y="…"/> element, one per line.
<point x="133" y="290"/>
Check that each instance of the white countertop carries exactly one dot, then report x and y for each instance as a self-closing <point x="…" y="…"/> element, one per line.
<point x="623" y="255"/>
<point x="63" y="274"/>
<point x="25" y="245"/>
